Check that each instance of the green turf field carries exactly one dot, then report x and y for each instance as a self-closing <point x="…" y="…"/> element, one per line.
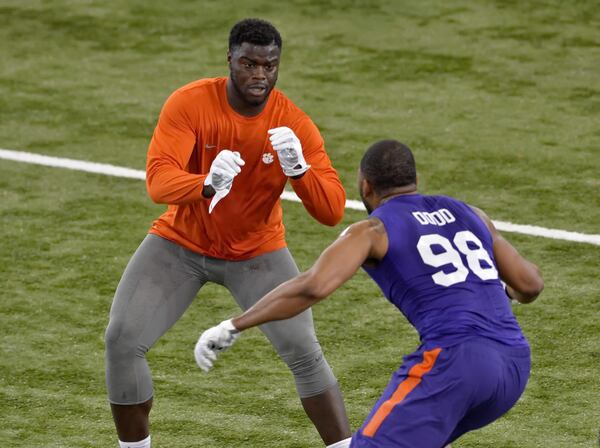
<point x="500" y="101"/>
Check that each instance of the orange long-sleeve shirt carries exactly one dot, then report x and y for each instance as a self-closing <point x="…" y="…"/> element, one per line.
<point x="196" y="123"/>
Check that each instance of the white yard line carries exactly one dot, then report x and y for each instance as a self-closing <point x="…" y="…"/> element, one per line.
<point x="117" y="171"/>
<point x="71" y="164"/>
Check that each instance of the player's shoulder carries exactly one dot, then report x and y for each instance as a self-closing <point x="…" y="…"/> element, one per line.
<point x="440" y="198"/>
<point x="446" y="201"/>
<point x="371" y="228"/>
<point x="201" y="85"/>
<point x="287" y="107"/>
<point x="201" y="89"/>
<point x="465" y="211"/>
<point x="364" y="225"/>
<point x="202" y="92"/>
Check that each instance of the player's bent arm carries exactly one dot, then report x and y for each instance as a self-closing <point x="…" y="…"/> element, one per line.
<point x="320" y="188"/>
<point x="334" y="267"/>
<point x="523" y="278"/>
<point x="167" y="181"/>
<point x="322" y="194"/>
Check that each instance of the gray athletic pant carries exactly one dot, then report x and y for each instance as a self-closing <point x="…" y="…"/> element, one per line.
<point x="161" y="281"/>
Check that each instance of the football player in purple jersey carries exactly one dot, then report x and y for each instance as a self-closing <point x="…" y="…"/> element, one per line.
<point x="444" y="265"/>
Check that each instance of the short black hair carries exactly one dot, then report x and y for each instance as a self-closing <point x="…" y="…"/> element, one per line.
<point x="388" y="164"/>
<point x="254" y="31"/>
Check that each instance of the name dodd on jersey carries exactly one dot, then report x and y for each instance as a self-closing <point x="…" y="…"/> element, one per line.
<point x="440" y="217"/>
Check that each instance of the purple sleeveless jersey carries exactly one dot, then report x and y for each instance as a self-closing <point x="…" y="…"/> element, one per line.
<point x="440" y="272"/>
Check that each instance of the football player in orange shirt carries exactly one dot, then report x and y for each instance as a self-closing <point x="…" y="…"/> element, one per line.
<point x="221" y="154"/>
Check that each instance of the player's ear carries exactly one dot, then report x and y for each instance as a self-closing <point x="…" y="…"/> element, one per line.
<point x="229" y="57"/>
<point x="366" y="188"/>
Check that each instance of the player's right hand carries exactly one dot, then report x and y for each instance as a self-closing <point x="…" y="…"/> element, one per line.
<point x="224" y="168"/>
<point x="213" y="341"/>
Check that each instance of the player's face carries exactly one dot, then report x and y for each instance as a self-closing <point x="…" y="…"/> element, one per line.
<point x="253" y="71"/>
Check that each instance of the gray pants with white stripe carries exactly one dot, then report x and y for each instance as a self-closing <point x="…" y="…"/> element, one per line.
<point x="158" y="285"/>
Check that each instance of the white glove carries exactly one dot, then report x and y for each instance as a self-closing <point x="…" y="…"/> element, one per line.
<point x="212" y="341"/>
<point x="220" y="176"/>
<point x="289" y="151"/>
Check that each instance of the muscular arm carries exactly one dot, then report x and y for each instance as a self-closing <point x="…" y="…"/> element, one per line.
<point x="167" y="180"/>
<point x="523" y="279"/>
<point x="320" y="188"/>
<point x="336" y="265"/>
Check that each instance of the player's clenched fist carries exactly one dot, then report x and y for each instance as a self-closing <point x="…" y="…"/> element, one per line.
<point x="224" y="168"/>
<point x="289" y="151"/>
<point x="212" y="341"/>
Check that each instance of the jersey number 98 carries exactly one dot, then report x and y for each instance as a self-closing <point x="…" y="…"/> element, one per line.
<point x="475" y="254"/>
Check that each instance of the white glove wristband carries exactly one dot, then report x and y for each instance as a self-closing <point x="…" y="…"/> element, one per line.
<point x="227" y="325"/>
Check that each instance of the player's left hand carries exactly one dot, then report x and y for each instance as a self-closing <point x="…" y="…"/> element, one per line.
<point x="213" y="341"/>
<point x="289" y="151"/>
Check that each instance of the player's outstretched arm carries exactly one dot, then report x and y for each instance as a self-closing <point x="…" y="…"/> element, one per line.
<point x="522" y="277"/>
<point x="362" y="241"/>
<point x="336" y="265"/>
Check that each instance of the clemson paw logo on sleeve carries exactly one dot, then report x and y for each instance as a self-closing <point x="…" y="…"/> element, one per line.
<point x="267" y="158"/>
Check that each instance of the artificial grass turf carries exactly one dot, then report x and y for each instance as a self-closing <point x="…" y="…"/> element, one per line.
<point x="499" y="100"/>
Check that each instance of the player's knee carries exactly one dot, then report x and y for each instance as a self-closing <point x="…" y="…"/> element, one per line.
<point x="311" y="373"/>
<point x="306" y="363"/>
<point x="128" y="377"/>
<point x="121" y="341"/>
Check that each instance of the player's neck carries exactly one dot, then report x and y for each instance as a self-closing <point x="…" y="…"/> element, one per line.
<point x="398" y="191"/>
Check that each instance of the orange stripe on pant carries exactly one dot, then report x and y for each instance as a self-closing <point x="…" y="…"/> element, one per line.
<point x="415" y="374"/>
